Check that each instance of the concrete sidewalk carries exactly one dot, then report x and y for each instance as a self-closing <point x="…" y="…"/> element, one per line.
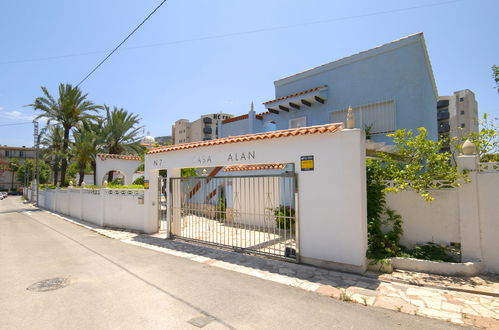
<point x="458" y="307"/>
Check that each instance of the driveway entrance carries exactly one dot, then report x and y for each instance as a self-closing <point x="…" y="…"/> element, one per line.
<point x="254" y="213"/>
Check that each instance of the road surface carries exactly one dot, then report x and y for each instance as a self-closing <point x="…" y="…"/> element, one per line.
<point x="108" y="284"/>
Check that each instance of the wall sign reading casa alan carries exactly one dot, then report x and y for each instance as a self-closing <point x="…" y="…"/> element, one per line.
<point x="231" y="157"/>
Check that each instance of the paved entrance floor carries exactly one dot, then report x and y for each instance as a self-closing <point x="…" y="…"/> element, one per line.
<point x="462" y="308"/>
<point x="257" y="238"/>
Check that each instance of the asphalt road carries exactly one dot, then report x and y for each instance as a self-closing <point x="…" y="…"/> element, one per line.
<point x="110" y="285"/>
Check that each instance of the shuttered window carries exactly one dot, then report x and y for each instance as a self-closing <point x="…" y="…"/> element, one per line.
<point x="380" y="116"/>
<point x="298" y="122"/>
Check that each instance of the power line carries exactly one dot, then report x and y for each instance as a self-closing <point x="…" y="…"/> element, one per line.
<point x="14" y="124"/>
<point x="121" y="43"/>
<point x="226" y="35"/>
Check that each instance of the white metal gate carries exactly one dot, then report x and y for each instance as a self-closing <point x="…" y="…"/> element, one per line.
<point x="256" y="214"/>
<point x="162" y="203"/>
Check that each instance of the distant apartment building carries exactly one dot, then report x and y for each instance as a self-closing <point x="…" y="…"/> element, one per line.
<point x="205" y="128"/>
<point x="457" y="115"/>
<point x="8" y="180"/>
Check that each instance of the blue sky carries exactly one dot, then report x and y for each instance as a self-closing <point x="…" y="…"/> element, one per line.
<point x="172" y="68"/>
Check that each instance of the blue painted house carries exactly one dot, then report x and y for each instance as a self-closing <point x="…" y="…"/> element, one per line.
<point x="389" y="87"/>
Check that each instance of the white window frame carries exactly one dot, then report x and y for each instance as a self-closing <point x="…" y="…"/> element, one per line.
<point x="304" y="118"/>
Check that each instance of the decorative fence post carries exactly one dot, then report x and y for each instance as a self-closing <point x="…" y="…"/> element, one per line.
<point x="469" y="217"/>
<point x="81" y="202"/>
<point x="103" y="192"/>
<point x="56" y="199"/>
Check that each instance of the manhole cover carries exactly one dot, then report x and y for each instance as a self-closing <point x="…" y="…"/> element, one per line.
<point x="49" y="284"/>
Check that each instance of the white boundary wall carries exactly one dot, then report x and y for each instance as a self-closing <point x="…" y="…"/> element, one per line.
<point x="118" y="208"/>
<point x="468" y="215"/>
<point x="331" y="198"/>
<point x="126" y="166"/>
<point x="436" y="221"/>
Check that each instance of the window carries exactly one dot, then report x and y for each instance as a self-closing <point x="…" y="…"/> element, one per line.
<point x="7" y="153"/>
<point x="21" y="153"/>
<point x="298" y="122"/>
<point x="269" y="126"/>
<point x="461" y="99"/>
<point x="380" y="116"/>
<point x="462" y="112"/>
<point x="463" y="125"/>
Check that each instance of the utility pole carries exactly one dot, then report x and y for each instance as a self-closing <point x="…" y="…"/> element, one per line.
<point x="37" y="172"/>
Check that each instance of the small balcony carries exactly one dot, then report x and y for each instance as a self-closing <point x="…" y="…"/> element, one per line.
<point x="443" y="128"/>
<point x="442" y="103"/>
<point x="443" y="115"/>
<point x="206" y="138"/>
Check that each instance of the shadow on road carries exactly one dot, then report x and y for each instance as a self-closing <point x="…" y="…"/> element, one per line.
<point x="264" y="264"/>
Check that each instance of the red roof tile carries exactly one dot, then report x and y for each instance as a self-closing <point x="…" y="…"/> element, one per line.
<point x="112" y="156"/>
<point x="296" y="94"/>
<point x="254" y="167"/>
<point x="230" y="120"/>
<point x="331" y="128"/>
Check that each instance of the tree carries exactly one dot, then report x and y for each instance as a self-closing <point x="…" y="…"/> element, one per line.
<point x="26" y="171"/>
<point x="52" y="140"/>
<point x="486" y="140"/>
<point x="84" y="148"/>
<point x="418" y="164"/>
<point x="14" y="165"/>
<point x="495" y="75"/>
<point x="69" y="110"/>
<point x="121" y="133"/>
<point x="88" y="142"/>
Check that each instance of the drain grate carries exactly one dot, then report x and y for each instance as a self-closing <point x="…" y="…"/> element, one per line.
<point x="49" y="284"/>
<point x="200" y="321"/>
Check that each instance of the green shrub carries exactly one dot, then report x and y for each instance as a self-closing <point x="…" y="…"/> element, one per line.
<point x="139" y="181"/>
<point x="116" y="182"/>
<point x="381" y="244"/>
<point x="47" y="186"/>
<point x="429" y="251"/>
<point x="284" y="217"/>
<point x="131" y="186"/>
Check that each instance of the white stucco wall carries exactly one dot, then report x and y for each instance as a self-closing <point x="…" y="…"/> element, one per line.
<point x="488" y="190"/>
<point x="92" y="214"/>
<point x="468" y="215"/>
<point x="118" y="208"/>
<point x="332" y="198"/>
<point x="125" y="166"/>
<point x="422" y="222"/>
<point x="122" y="210"/>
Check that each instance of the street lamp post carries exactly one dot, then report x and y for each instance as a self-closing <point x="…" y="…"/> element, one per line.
<point x="37" y="172"/>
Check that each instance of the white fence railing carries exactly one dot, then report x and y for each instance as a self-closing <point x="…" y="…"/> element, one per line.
<point x="437" y="184"/>
<point x="488" y="167"/>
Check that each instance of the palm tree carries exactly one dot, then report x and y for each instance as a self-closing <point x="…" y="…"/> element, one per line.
<point x="52" y="140"/>
<point x="121" y="132"/>
<point x="69" y="110"/>
<point x="84" y="148"/>
<point x="97" y="136"/>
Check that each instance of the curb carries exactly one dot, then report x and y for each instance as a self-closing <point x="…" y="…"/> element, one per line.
<point x="483" y="293"/>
